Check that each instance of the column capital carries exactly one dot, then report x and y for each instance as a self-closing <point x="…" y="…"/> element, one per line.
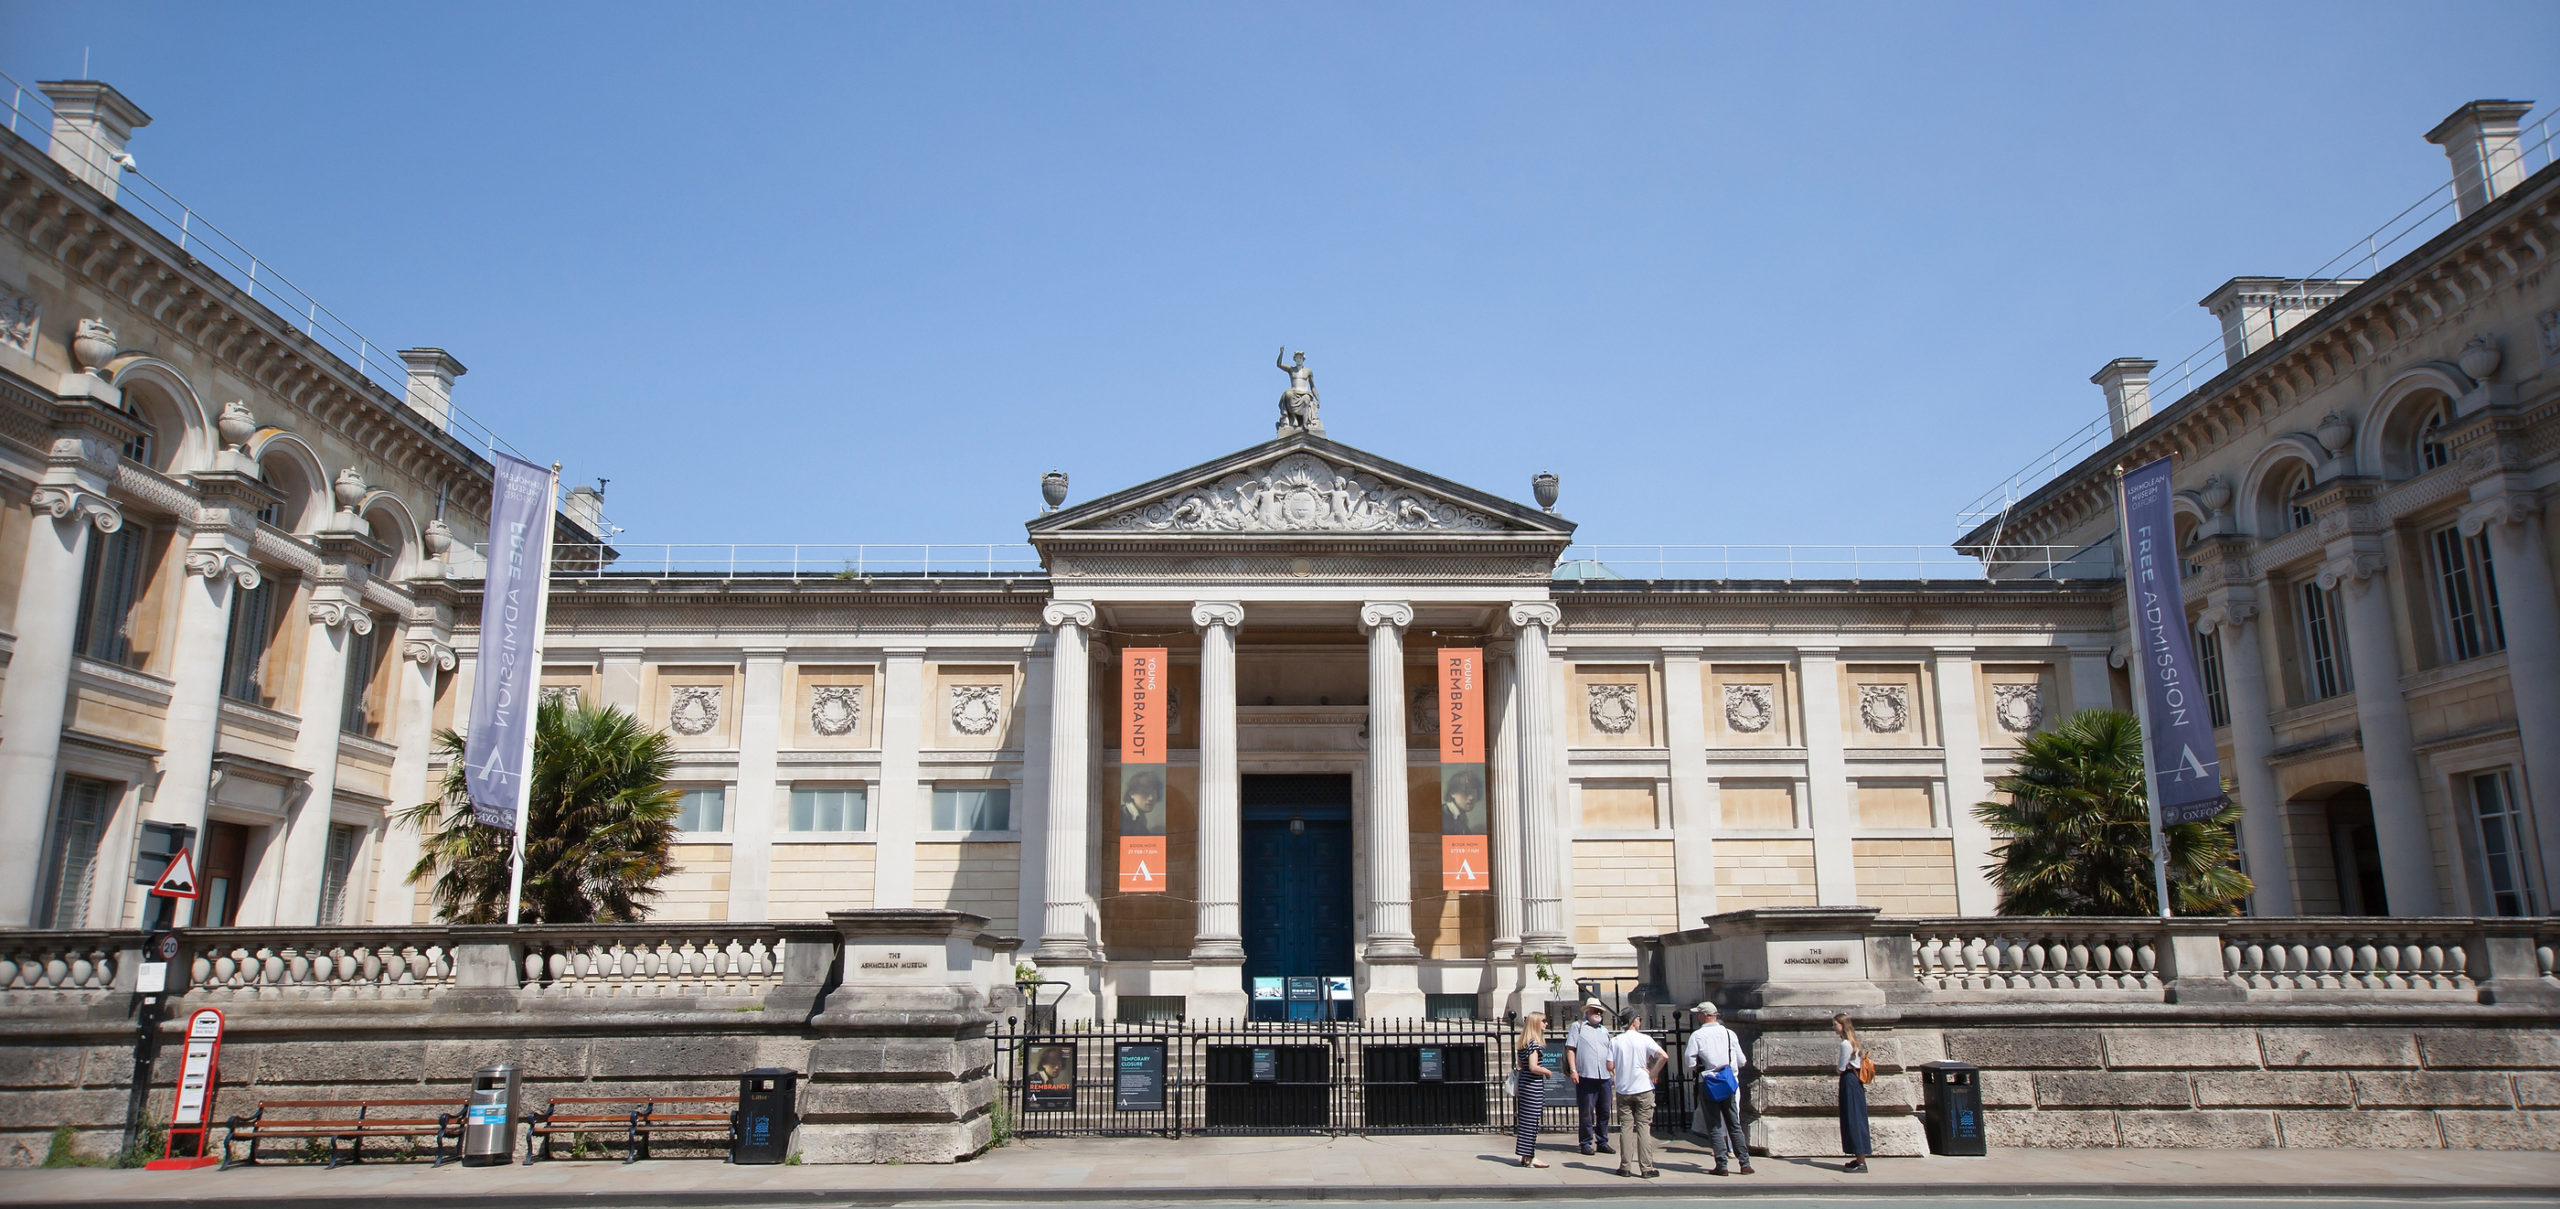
<point x="1217" y="612"/>
<point x="2352" y="566"/>
<point x="2507" y="507"/>
<point x="217" y="563"/>
<point x="2225" y="611"/>
<point x="334" y="613"/>
<point x="65" y="501"/>
<point x="429" y="651"/>
<point x="1377" y="613"/>
<point x="1535" y="613"/>
<point x="1066" y="613"/>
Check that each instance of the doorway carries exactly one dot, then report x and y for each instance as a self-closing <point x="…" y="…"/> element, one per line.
<point x="1297" y="874"/>
<point x="226" y="866"/>
<point x="2358" y="853"/>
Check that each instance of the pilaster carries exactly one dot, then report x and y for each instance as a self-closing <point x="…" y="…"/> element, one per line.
<point x="1692" y="806"/>
<point x="761" y="714"/>
<point x="1960" y="731"/>
<point x="1834" y="815"/>
<point x="902" y="800"/>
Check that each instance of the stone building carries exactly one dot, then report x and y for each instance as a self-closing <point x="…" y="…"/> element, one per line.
<point x="2364" y="522"/>
<point x="244" y="597"/>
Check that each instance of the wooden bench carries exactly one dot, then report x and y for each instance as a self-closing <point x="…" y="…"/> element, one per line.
<point x="306" y="1120"/>
<point x="637" y="1116"/>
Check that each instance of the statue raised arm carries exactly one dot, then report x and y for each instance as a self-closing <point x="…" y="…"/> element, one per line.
<point x="1298" y="404"/>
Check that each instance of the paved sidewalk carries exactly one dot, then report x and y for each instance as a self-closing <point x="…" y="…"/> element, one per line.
<point x="1469" y="1167"/>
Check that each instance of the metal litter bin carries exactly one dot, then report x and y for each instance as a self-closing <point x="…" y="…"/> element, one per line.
<point x="1951" y="1107"/>
<point x="768" y="1113"/>
<point x="489" y="1124"/>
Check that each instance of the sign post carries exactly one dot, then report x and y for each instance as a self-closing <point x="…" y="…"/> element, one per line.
<point x="151" y="987"/>
<point x="191" y="1114"/>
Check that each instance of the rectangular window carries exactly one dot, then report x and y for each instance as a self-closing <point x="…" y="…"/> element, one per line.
<point x="830" y="809"/>
<point x="344" y="841"/>
<point x="244" y="654"/>
<point x="702" y="810"/>
<point x="2466" y="595"/>
<point x="2217" y="706"/>
<point x="109" y="588"/>
<point x="972" y="808"/>
<point x="71" y="862"/>
<point x="364" y="661"/>
<point x="1449" y="1007"/>
<point x="2323" y="653"/>
<point x="2493" y="803"/>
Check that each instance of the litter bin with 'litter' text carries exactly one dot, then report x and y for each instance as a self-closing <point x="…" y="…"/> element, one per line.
<point x="1951" y="1107"/>
<point x="768" y="1112"/>
<point x="489" y="1124"/>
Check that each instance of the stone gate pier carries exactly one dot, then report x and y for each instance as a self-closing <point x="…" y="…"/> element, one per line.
<point x="2243" y="1032"/>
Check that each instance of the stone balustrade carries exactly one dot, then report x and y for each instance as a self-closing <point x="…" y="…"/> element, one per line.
<point x="663" y="960"/>
<point x="2035" y="955"/>
<point x="61" y="967"/>
<point x="247" y="964"/>
<point x="2354" y="955"/>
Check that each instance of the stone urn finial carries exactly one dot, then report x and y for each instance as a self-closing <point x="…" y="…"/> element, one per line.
<point x="2479" y="358"/>
<point x="237" y="424"/>
<point x="93" y="346"/>
<point x="2217" y="495"/>
<point x="349" y="488"/>
<point x="1543" y="485"/>
<point x="1053" y="488"/>
<point x="2334" y="433"/>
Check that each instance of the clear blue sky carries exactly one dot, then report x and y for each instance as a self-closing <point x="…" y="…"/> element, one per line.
<point x="1781" y="273"/>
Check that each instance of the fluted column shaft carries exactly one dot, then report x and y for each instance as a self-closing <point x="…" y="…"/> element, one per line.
<point x="2382" y="714"/>
<point x="1504" y="796"/>
<point x="1063" y="929"/>
<point x="2253" y="737"/>
<point x="1220" y="934"/>
<point x="1542" y="838"/>
<point x="1390" y="858"/>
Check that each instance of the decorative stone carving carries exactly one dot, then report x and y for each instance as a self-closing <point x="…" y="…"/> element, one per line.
<point x="1544" y="485"/>
<point x="237" y="424"/>
<point x="693" y="709"/>
<point x="335" y="613"/>
<point x="1422" y="714"/>
<point x="1750" y="708"/>
<point x="1053" y="488"/>
<point x="2335" y="431"/>
<point x="19" y="318"/>
<point x="2217" y="495"/>
<point x="976" y="708"/>
<point x="1300" y="493"/>
<point x="1536" y="613"/>
<point x="214" y="564"/>
<point x="2480" y="358"/>
<point x="64" y="501"/>
<point x="2019" y="708"/>
<point x="1385" y="612"/>
<point x="1217" y="612"/>
<point x="93" y="345"/>
<point x="349" y="490"/>
<point x="2504" y="508"/>
<point x="1613" y="708"/>
<point x="568" y="695"/>
<point x="1066" y="612"/>
<point x="835" y="710"/>
<point x="2549" y="324"/>
<point x="1884" y="709"/>
<point x="2353" y="567"/>
<point x="1298" y="405"/>
<point x="431" y="653"/>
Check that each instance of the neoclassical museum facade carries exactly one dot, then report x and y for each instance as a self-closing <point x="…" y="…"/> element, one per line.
<point x="238" y="590"/>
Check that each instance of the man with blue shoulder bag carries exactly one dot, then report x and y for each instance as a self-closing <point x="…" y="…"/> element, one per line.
<point x="1716" y="1058"/>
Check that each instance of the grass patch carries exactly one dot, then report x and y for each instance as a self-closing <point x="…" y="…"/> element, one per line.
<point x="64" y="1150"/>
<point x="1003" y="1125"/>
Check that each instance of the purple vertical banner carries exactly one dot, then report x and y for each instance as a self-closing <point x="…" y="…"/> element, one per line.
<point x="502" y="698"/>
<point x="2184" y="768"/>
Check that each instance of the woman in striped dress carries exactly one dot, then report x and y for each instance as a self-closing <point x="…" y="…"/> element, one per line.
<point x="1530" y="1105"/>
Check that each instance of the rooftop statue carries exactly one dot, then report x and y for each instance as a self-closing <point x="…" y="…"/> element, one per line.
<point x="1298" y="404"/>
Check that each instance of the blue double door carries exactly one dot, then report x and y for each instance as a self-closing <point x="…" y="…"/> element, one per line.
<point x="1297" y="874"/>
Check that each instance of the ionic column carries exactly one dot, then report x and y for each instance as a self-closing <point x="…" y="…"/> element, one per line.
<point x="333" y="615"/>
<point x="71" y="504"/>
<point x="2513" y="523"/>
<point x="1502" y="956"/>
<point x="1544" y="846"/>
<point x="217" y="569"/>
<point x="1065" y="939"/>
<point x="426" y="652"/>
<point x="2232" y="616"/>
<point x="1217" y="946"/>
<point x="1389" y="830"/>
<point x="2390" y="755"/>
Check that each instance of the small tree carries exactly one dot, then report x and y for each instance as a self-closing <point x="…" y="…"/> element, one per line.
<point x="2076" y="832"/>
<point x="597" y="831"/>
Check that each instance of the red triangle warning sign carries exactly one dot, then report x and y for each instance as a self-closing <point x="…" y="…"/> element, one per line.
<point x="179" y="881"/>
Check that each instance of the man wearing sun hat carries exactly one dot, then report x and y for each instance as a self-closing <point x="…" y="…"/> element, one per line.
<point x="1586" y="1058"/>
<point x="1714" y="1048"/>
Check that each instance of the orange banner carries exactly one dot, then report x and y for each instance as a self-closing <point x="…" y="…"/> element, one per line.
<point x="1462" y="863"/>
<point x="1461" y="705"/>
<point x="1142" y="864"/>
<point x="1142" y="705"/>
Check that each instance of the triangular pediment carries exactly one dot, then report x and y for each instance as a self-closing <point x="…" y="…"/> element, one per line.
<point x="1301" y="486"/>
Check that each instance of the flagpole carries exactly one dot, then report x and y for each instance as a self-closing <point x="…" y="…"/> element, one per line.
<point x="533" y="717"/>
<point x="2135" y="663"/>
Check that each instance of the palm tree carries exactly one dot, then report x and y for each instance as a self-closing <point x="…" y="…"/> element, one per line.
<point x="2077" y="834"/>
<point x="596" y="836"/>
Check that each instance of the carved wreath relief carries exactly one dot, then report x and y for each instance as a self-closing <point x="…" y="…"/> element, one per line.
<point x="1749" y="708"/>
<point x="2019" y="707"/>
<point x="1613" y="708"/>
<point x="1297" y="494"/>
<point x="695" y="709"/>
<point x="835" y="709"/>
<point x="561" y="694"/>
<point x="1884" y="708"/>
<point x="975" y="708"/>
<point x="1422" y="714"/>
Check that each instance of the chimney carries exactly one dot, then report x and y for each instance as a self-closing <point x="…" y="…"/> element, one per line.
<point x="2480" y="139"/>
<point x="91" y="122"/>
<point x="2127" y="381"/>
<point x="431" y="375"/>
<point x="585" y="507"/>
<point x="2255" y="311"/>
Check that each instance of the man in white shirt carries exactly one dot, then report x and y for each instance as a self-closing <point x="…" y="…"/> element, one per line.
<point x="1586" y="1060"/>
<point x="1712" y="1048"/>
<point x="1635" y="1061"/>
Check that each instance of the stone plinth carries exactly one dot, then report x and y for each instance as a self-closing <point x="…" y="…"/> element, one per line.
<point x="901" y="1069"/>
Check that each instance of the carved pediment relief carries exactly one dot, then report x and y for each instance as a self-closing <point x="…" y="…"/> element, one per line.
<point x="1300" y="493"/>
